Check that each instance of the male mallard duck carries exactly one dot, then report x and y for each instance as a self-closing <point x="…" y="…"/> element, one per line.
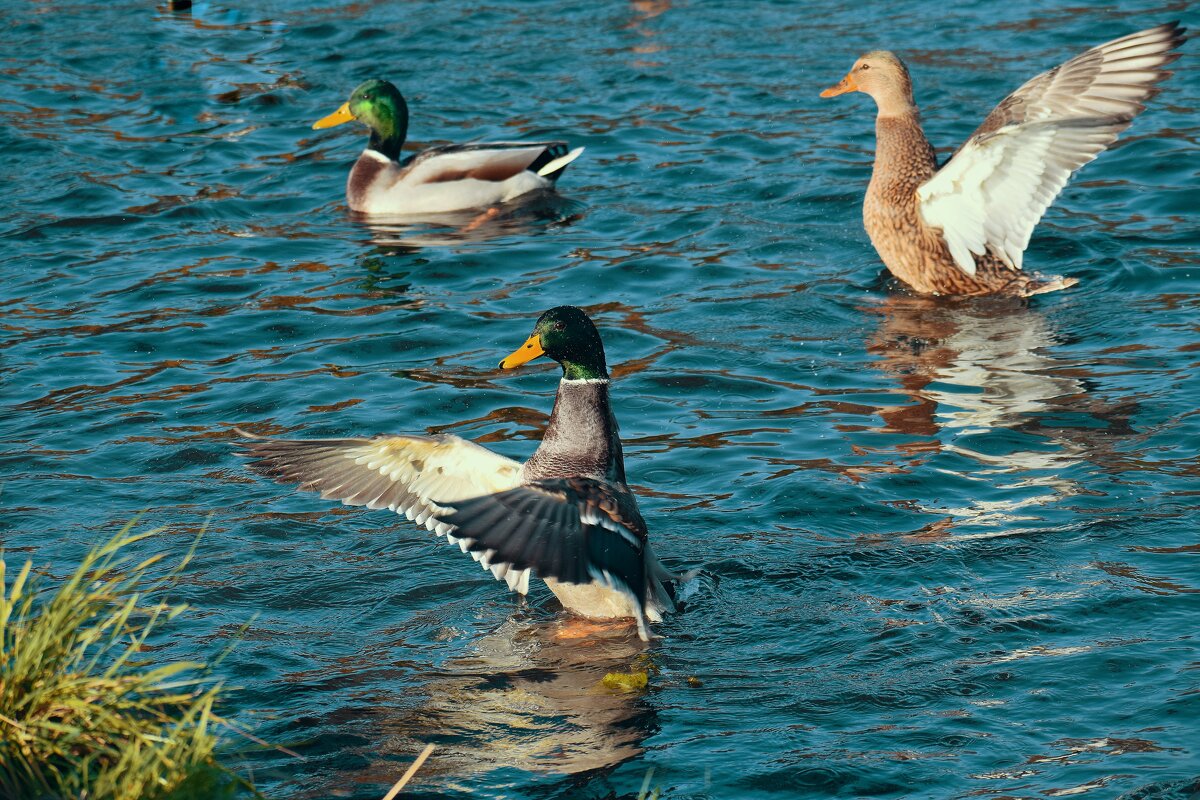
<point x="962" y="229"/>
<point x="441" y="179"/>
<point x="566" y="513"/>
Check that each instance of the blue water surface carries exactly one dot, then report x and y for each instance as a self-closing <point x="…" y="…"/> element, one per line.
<point x="949" y="549"/>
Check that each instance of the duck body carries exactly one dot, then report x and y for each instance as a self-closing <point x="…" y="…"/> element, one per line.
<point x="440" y="179"/>
<point x="961" y="228"/>
<point x="566" y="514"/>
<point x="454" y="177"/>
<point x="909" y="247"/>
<point x="582" y="442"/>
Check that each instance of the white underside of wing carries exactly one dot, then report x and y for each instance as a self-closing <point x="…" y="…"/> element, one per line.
<point x="441" y="472"/>
<point x="990" y="196"/>
<point x="560" y="162"/>
<point x="446" y="469"/>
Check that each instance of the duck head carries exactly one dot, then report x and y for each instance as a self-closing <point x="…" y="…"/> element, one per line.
<point x="568" y="336"/>
<point x="380" y="106"/>
<point x="883" y="76"/>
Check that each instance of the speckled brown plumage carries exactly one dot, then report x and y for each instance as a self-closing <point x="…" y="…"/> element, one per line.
<point x="911" y="250"/>
<point x="961" y="228"/>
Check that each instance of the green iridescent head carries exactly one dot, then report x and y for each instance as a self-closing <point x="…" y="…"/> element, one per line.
<point x="380" y="106"/>
<point x="567" y="335"/>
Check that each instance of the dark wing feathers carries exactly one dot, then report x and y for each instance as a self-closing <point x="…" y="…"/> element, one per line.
<point x="553" y="150"/>
<point x="574" y="530"/>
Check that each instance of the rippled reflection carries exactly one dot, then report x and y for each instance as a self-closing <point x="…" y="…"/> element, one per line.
<point x="522" y="216"/>
<point x="971" y="368"/>
<point x="993" y="355"/>
<point x="529" y="696"/>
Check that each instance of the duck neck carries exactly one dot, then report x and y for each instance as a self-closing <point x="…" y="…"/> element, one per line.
<point x="581" y="437"/>
<point x="585" y="371"/>
<point x="902" y="153"/>
<point x="389" y="146"/>
<point x="389" y="129"/>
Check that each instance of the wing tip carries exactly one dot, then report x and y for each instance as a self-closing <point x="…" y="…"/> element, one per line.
<point x="1177" y="30"/>
<point x="245" y="434"/>
<point x="1051" y="285"/>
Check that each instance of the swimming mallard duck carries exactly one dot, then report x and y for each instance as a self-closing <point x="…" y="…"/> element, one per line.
<point x="441" y="179"/>
<point x="566" y="513"/>
<point x="961" y="229"/>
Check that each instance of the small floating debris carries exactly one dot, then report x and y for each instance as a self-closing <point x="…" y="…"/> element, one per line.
<point x="626" y="681"/>
<point x="407" y="776"/>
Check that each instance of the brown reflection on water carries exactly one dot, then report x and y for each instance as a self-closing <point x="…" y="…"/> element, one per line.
<point x="1059" y="18"/>
<point x="974" y="367"/>
<point x="642" y="12"/>
<point x="320" y="299"/>
<point x="529" y="424"/>
<point x="409" y="233"/>
<point x="1131" y="576"/>
<point x="1073" y="751"/>
<point x="525" y="697"/>
<point x="83" y="396"/>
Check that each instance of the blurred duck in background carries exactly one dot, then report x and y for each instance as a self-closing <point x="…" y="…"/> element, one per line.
<point x="441" y="179"/>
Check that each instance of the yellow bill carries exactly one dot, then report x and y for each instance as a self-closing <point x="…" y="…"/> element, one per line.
<point x="336" y="118"/>
<point x="524" y="354"/>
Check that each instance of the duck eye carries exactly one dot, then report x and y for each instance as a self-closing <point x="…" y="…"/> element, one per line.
<point x="560" y="326"/>
<point x="865" y="66"/>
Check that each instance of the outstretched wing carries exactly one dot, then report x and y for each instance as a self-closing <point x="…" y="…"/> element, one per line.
<point x="994" y="190"/>
<point x="574" y="530"/>
<point x="401" y="473"/>
<point x="490" y="161"/>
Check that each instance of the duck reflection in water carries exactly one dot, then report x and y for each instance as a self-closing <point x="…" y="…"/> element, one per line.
<point x="524" y="698"/>
<point x="527" y="214"/>
<point x="978" y="366"/>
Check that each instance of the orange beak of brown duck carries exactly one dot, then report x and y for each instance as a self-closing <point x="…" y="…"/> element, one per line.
<point x="846" y="84"/>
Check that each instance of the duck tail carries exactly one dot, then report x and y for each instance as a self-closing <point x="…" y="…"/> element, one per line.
<point x="663" y="586"/>
<point x="553" y="168"/>
<point x="1051" y="285"/>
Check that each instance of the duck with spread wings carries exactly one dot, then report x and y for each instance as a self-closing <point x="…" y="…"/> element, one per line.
<point x="962" y="228"/>
<point x="565" y="515"/>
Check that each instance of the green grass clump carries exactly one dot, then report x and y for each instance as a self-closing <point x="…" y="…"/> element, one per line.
<point x="82" y="713"/>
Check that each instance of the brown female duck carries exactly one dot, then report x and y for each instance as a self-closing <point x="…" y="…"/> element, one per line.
<point x="961" y="229"/>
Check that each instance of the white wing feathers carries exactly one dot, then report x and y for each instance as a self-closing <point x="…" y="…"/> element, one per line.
<point x="991" y="194"/>
<point x="410" y="475"/>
